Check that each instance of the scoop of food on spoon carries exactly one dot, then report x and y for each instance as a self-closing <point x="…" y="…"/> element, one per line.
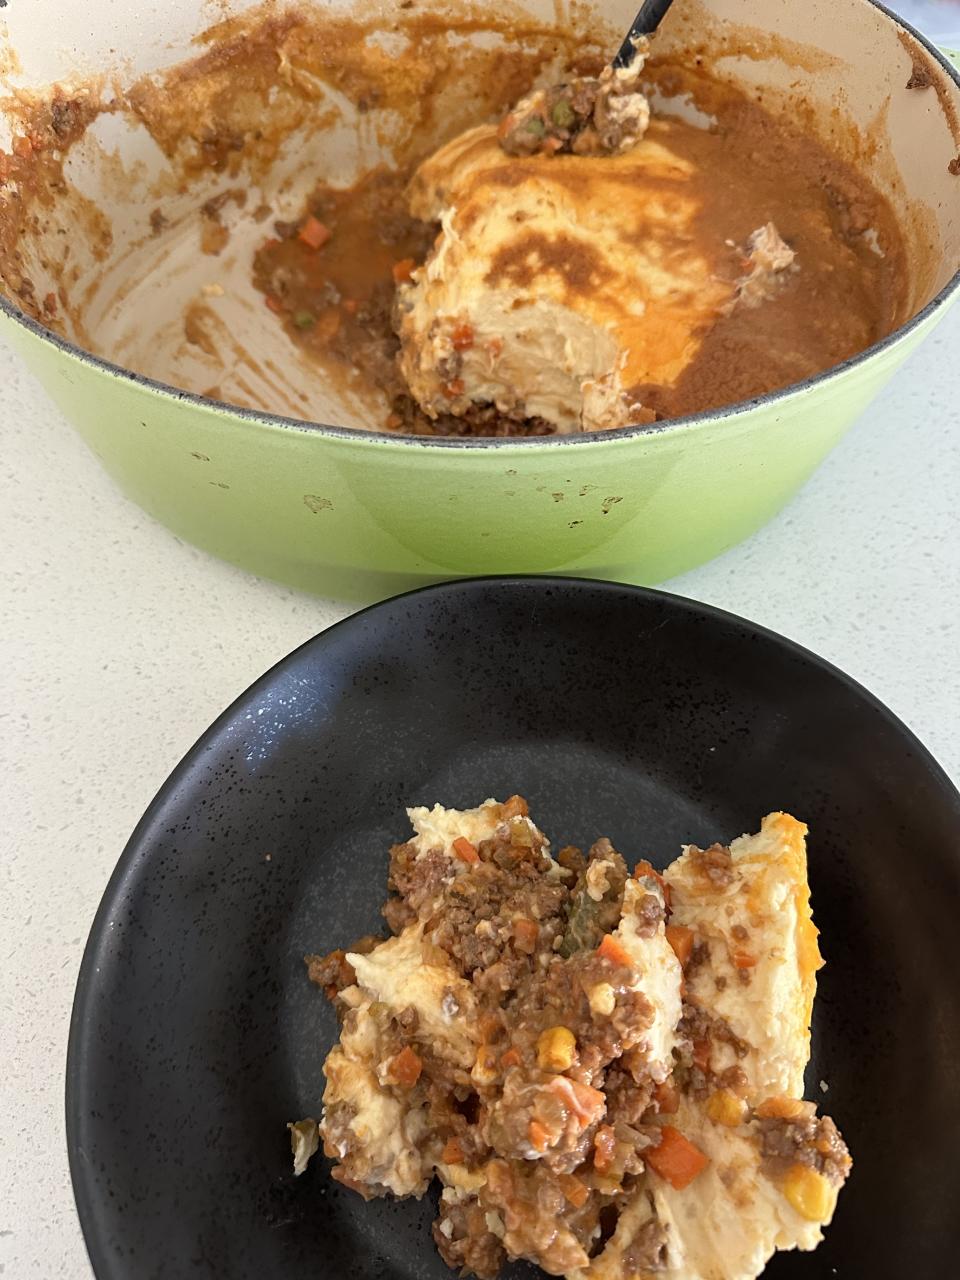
<point x="589" y="115"/>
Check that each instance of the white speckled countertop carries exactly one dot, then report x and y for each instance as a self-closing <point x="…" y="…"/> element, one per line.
<point x="121" y="644"/>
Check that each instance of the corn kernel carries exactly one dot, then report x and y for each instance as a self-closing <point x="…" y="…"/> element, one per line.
<point x="782" y="1109"/>
<point x="724" y="1107"/>
<point x="809" y="1192"/>
<point x="485" y="1067"/>
<point x="521" y="833"/>
<point x="556" y="1049"/>
<point x="603" y="998"/>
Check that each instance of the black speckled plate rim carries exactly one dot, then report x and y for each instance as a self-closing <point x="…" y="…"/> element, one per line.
<point x="128" y="864"/>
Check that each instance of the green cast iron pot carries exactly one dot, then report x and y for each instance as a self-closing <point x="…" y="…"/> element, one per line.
<point x="360" y="515"/>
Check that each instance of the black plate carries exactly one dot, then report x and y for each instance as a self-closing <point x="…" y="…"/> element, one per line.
<point x="616" y="711"/>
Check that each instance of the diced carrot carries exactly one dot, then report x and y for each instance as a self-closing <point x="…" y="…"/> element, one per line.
<point x="465" y="850"/>
<point x="511" y="1058"/>
<point x="314" y="233"/>
<point x="403" y="270"/>
<point x="604" y="1148"/>
<point x="538" y="1135"/>
<point x="455" y="387"/>
<point x="573" y="1190"/>
<point x="514" y="807"/>
<point x="274" y="303"/>
<point x="506" y="124"/>
<point x="613" y="950"/>
<point x="667" y="1097"/>
<point x="526" y="934"/>
<point x="744" y="960"/>
<point x="406" y="1067"/>
<point x="462" y="337"/>
<point x="701" y="1053"/>
<point x="351" y="306"/>
<point x="452" y="1152"/>
<point x="681" y="939"/>
<point x="586" y="1103"/>
<point x="676" y="1159"/>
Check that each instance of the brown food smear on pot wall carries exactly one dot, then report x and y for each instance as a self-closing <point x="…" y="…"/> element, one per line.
<point x="261" y="77"/>
<point x="32" y="182"/>
<point x="925" y="74"/>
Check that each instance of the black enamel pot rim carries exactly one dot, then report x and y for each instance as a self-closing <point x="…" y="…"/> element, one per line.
<point x="128" y="865"/>
<point x="382" y="438"/>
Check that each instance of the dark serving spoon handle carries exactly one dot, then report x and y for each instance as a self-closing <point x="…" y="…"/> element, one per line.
<point x="644" y="24"/>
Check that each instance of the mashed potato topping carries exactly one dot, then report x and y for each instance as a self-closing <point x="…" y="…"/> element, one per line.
<point x="603" y="1068"/>
<point x="561" y="284"/>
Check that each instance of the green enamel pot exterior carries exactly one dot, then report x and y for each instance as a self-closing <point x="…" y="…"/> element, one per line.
<point x="361" y="517"/>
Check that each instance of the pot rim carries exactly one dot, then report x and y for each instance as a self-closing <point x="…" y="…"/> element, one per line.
<point x="368" y="436"/>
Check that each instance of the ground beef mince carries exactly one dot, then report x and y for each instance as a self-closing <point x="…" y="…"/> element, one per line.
<point x="479" y="917"/>
<point x="333" y="972"/>
<point x="525" y="931"/>
<point x="811" y="1139"/>
<point x="559" y="992"/>
<point x="629" y="1094"/>
<point x="649" y="912"/>
<point x="465" y="1241"/>
<point x="543" y="1118"/>
<point x="699" y="956"/>
<point x="699" y="1031"/>
<point x="646" y="1253"/>
<point x="407" y="418"/>
<point x="586" y="115"/>
<point x="597" y="898"/>
<point x="528" y="1203"/>
<point x="714" y="864"/>
<point x="552" y="120"/>
<point x="416" y="882"/>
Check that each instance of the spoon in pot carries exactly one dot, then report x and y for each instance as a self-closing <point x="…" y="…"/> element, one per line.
<point x="589" y="115"/>
<point x="649" y="16"/>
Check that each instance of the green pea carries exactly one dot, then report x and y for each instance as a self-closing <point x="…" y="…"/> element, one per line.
<point x="304" y="319"/>
<point x="535" y="126"/>
<point x="564" y="115"/>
